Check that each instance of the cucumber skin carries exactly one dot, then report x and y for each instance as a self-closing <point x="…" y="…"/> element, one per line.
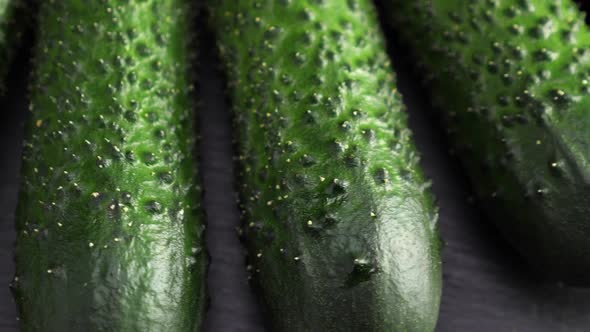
<point x="109" y="222"/>
<point x="340" y="238"/>
<point x="15" y="17"/>
<point x="510" y="81"/>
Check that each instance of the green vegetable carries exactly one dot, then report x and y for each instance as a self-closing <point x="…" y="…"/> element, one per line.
<point x="109" y="222"/>
<point x="511" y="79"/>
<point x="13" y="21"/>
<point x="339" y="221"/>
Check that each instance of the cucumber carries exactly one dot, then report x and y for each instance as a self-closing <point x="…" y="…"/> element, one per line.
<point x="14" y="19"/>
<point x="338" y="218"/>
<point x="109" y="225"/>
<point x="511" y="81"/>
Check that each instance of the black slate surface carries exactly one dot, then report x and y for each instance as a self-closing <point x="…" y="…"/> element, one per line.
<point x="487" y="287"/>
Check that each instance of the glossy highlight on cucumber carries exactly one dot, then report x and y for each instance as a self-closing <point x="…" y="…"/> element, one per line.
<point x="109" y="221"/>
<point x="337" y="216"/>
<point x="511" y="80"/>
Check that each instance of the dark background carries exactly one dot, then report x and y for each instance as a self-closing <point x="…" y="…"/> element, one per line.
<point x="487" y="287"/>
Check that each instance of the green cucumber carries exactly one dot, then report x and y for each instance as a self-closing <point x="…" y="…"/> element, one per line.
<point x="511" y="80"/>
<point x="338" y="218"/>
<point x="109" y="221"/>
<point x="14" y="18"/>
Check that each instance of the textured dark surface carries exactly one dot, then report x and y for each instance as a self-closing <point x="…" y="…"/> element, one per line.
<point x="14" y="21"/>
<point x="486" y="288"/>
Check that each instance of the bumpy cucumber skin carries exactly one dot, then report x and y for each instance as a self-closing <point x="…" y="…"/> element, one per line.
<point x="109" y="222"/>
<point x="14" y="19"/>
<point x="338" y="218"/>
<point x="512" y="80"/>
